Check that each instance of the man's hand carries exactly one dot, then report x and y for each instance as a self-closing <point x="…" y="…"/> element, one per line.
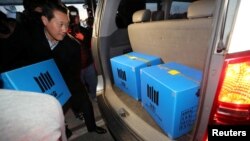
<point x="79" y="36"/>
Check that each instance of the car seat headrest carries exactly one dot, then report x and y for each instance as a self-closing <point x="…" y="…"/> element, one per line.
<point x="142" y="16"/>
<point x="201" y="9"/>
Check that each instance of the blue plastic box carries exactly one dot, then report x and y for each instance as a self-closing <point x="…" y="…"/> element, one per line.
<point x="170" y="95"/>
<point x="43" y="77"/>
<point x="126" y="71"/>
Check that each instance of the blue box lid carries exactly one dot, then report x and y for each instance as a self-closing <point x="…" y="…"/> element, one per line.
<point x="134" y="59"/>
<point x="175" y="76"/>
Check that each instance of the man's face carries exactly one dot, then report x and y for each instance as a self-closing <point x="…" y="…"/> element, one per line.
<point x="57" y="27"/>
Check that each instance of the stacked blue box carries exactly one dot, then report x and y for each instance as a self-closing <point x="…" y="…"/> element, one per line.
<point x="170" y="95"/>
<point x="126" y="71"/>
<point x="43" y="77"/>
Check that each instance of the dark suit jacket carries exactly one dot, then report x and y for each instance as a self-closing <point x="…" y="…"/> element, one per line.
<point x="66" y="55"/>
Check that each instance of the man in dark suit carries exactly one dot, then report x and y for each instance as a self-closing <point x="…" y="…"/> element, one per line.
<point x="52" y="41"/>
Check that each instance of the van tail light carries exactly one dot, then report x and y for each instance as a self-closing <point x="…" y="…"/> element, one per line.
<point x="232" y="101"/>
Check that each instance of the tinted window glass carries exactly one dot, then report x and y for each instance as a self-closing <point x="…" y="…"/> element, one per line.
<point x="125" y="11"/>
<point x="178" y="10"/>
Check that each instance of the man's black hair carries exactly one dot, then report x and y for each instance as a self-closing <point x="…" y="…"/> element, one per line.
<point x="73" y="12"/>
<point x="73" y="9"/>
<point x="49" y="8"/>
